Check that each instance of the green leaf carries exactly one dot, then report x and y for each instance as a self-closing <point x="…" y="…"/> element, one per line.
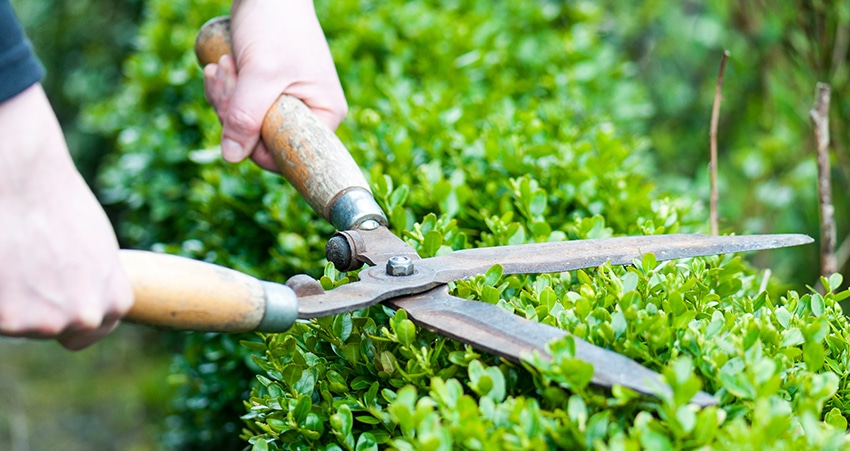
<point x="368" y="419"/>
<point x="487" y="381"/>
<point x="493" y="275"/>
<point x="618" y="323"/>
<point x="342" y="326"/>
<point x="817" y="304"/>
<point x="630" y="281"/>
<point x="277" y="425"/>
<point x="351" y="351"/>
<point x="783" y="317"/>
<point x="577" y="411"/>
<point x="302" y="408"/>
<point x="406" y="332"/>
<point x="813" y="355"/>
<point x="342" y="421"/>
<point x="399" y="196"/>
<point x="388" y="362"/>
<point x="366" y="442"/>
<point x="686" y="418"/>
<point x="537" y="204"/>
<point x="292" y="374"/>
<point x="649" y="262"/>
<point x="792" y="337"/>
<point x="676" y="302"/>
<point x="305" y="384"/>
<point x="253" y="345"/>
<point x="448" y="392"/>
<point x="260" y="445"/>
<point x="734" y="379"/>
<point x="432" y="243"/>
<point x="834" y="417"/>
<point x="835" y="281"/>
<point x="706" y="425"/>
<point x="548" y="297"/>
<point x="490" y="295"/>
<point x="315" y="424"/>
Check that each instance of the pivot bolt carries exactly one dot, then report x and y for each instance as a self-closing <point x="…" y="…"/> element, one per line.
<point x="399" y="266"/>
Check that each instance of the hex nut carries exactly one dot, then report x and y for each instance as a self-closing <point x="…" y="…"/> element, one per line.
<point x="399" y="266"/>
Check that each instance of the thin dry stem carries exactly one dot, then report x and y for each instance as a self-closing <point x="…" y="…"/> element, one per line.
<point x="712" y="165"/>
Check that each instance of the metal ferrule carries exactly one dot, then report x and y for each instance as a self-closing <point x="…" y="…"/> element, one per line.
<point x="353" y="208"/>
<point x="281" y="308"/>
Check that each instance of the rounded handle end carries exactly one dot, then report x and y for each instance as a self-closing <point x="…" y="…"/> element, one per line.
<point x="213" y="40"/>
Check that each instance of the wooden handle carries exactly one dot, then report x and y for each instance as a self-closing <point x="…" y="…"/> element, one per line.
<point x="184" y="294"/>
<point x="306" y="151"/>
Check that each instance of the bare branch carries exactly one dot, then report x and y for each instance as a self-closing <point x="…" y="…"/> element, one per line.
<point x="820" y="119"/>
<point x="712" y="165"/>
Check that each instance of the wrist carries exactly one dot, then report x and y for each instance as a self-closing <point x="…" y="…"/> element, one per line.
<point x="34" y="153"/>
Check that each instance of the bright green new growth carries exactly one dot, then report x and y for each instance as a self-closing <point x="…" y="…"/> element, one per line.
<point x="478" y="124"/>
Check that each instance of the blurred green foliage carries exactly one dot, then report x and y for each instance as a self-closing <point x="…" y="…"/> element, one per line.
<point x="82" y="45"/>
<point x="483" y="124"/>
<point x="767" y="168"/>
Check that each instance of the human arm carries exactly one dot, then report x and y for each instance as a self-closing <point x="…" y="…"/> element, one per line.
<point x="59" y="271"/>
<point x="279" y="47"/>
<point x="60" y="275"/>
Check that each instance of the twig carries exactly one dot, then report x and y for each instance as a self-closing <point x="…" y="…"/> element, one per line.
<point x="820" y="119"/>
<point x="712" y="165"/>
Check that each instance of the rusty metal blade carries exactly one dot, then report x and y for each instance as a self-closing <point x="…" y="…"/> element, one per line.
<point x="579" y="254"/>
<point x="497" y="331"/>
<point x="376" y="286"/>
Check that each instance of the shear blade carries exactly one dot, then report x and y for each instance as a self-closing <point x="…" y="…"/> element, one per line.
<point x="494" y="330"/>
<point x="579" y="254"/>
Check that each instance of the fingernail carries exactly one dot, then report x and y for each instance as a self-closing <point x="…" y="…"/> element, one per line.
<point x="231" y="150"/>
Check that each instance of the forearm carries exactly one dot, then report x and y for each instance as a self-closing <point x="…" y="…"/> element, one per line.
<point x="60" y="276"/>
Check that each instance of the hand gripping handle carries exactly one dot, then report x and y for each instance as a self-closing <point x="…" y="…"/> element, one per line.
<point x="180" y="293"/>
<point x="306" y="151"/>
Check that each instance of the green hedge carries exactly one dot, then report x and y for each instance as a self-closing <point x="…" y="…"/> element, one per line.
<point x="477" y="124"/>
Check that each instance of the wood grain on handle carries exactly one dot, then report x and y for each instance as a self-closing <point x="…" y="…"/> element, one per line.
<point x="184" y="294"/>
<point x="306" y="151"/>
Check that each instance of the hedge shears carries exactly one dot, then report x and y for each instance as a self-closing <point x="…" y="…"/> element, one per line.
<point x="181" y="293"/>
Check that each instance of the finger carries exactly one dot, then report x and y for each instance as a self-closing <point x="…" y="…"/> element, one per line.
<point x="219" y="82"/>
<point x="211" y="84"/>
<point x="243" y="120"/>
<point x="331" y="118"/>
<point x="75" y="340"/>
<point x="226" y="73"/>
<point x="119" y="296"/>
<point x="123" y="294"/>
<point x="225" y="81"/>
<point x="264" y="159"/>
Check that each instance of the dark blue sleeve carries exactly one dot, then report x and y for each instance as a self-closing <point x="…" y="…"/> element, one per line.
<point x="19" y="67"/>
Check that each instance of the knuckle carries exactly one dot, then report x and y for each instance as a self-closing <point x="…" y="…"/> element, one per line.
<point x="16" y="325"/>
<point x="85" y="319"/>
<point x="240" y="121"/>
